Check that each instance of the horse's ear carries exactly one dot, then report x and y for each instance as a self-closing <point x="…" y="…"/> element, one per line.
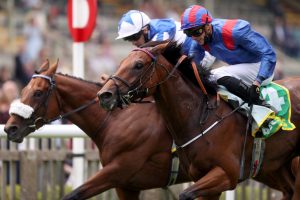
<point x="53" y="68"/>
<point x="44" y="67"/>
<point x="103" y="78"/>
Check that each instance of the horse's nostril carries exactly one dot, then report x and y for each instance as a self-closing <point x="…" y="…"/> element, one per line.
<point x="105" y="96"/>
<point x="11" y="129"/>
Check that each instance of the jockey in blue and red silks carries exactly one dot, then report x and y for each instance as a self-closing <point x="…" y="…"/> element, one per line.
<point x="136" y="27"/>
<point x="250" y="57"/>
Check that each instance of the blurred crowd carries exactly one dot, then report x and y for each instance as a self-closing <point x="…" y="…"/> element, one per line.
<point x="39" y="33"/>
<point x="282" y="33"/>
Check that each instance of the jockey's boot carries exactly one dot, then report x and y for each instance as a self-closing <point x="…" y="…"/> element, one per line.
<point x="235" y="86"/>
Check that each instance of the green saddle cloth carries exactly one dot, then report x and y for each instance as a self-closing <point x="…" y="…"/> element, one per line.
<point x="269" y="121"/>
<point x="279" y="98"/>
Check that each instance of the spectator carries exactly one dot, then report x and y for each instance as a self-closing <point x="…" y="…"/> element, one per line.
<point x="153" y="9"/>
<point x="21" y="74"/>
<point x="4" y="74"/>
<point x="34" y="40"/>
<point x="102" y="60"/>
<point x="4" y="107"/>
<point x="11" y="90"/>
<point x="282" y="37"/>
<point x="8" y="93"/>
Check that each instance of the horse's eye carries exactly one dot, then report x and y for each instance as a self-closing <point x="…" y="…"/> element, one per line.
<point x="38" y="93"/>
<point x="138" y="66"/>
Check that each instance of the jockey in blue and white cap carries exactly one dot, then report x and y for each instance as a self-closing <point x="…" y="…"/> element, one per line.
<point x="136" y="27"/>
<point x="251" y="59"/>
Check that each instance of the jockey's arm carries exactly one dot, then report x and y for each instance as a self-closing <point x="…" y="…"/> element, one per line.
<point x="200" y="56"/>
<point x="256" y="43"/>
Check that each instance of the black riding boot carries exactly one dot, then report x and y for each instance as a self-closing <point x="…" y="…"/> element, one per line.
<point x="235" y="86"/>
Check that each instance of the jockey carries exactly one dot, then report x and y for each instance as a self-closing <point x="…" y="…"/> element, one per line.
<point x="251" y="59"/>
<point x="136" y="27"/>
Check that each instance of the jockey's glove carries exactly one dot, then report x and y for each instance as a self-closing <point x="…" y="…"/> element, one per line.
<point x="207" y="61"/>
<point x="254" y="95"/>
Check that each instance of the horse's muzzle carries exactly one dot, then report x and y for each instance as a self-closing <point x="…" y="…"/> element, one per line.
<point x="12" y="133"/>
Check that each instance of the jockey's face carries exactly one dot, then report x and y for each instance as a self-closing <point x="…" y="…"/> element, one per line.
<point x="137" y="39"/>
<point x="139" y="42"/>
<point x="203" y="38"/>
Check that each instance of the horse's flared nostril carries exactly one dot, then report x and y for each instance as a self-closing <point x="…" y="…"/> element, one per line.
<point x="10" y="130"/>
<point x="12" y="133"/>
<point x="105" y="97"/>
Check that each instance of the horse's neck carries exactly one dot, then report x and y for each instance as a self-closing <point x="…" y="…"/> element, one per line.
<point x="181" y="105"/>
<point x="74" y="93"/>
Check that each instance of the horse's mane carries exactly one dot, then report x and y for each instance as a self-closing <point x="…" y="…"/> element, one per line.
<point x="153" y="43"/>
<point x="81" y="79"/>
<point x="173" y="52"/>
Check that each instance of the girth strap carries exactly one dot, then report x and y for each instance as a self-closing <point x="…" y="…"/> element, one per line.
<point x="174" y="166"/>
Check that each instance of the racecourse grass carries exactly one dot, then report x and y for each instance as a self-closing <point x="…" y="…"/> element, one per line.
<point x="54" y="194"/>
<point x="50" y="193"/>
<point x="251" y="193"/>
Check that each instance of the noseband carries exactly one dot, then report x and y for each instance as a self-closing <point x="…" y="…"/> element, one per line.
<point x="135" y="87"/>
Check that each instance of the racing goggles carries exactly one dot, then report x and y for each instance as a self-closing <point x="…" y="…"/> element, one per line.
<point x="133" y="37"/>
<point x="194" y="32"/>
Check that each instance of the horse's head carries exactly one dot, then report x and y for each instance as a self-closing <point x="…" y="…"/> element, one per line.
<point x="137" y="77"/>
<point x="32" y="110"/>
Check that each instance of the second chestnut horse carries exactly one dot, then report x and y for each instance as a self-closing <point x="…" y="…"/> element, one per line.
<point x="134" y="144"/>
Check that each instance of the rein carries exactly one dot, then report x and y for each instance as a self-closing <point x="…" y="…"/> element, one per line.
<point x="65" y="115"/>
<point x="61" y="116"/>
<point x="134" y="88"/>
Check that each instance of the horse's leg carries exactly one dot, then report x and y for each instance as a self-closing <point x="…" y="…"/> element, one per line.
<point x="295" y="165"/>
<point x="125" y="194"/>
<point x="208" y="187"/>
<point x="97" y="184"/>
<point x="296" y="194"/>
<point x="282" y="180"/>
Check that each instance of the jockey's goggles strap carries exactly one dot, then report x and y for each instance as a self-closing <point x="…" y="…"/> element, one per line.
<point x="198" y="78"/>
<point x="147" y="52"/>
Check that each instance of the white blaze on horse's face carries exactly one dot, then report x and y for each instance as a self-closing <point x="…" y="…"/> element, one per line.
<point x="20" y="109"/>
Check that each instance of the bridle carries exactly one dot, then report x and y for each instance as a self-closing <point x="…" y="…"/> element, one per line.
<point x="39" y="121"/>
<point x="136" y="89"/>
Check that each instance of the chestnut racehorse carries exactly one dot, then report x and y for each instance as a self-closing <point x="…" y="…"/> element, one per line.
<point x="210" y="139"/>
<point x="134" y="145"/>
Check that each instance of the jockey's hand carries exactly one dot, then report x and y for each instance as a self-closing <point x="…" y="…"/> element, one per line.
<point x="254" y="94"/>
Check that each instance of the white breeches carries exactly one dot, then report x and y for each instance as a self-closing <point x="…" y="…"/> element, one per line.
<point x="245" y="71"/>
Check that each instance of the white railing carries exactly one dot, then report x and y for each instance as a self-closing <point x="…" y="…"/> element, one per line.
<point x="69" y="131"/>
<point x="53" y="131"/>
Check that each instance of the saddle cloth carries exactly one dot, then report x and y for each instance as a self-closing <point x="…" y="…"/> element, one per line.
<point x="267" y="119"/>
